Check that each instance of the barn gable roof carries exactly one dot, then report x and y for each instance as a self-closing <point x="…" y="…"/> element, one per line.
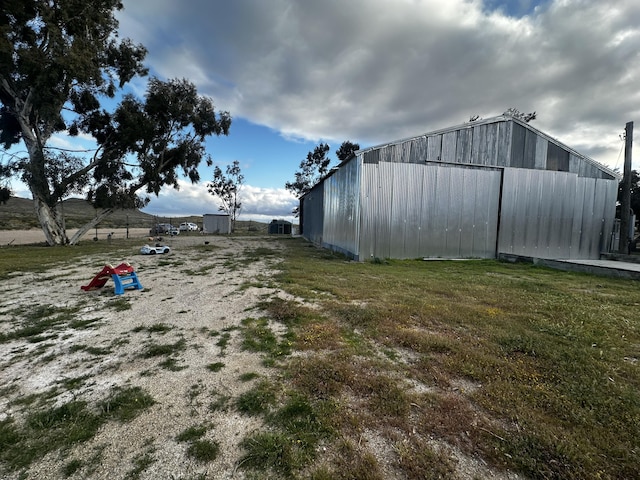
<point x="516" y="144"/>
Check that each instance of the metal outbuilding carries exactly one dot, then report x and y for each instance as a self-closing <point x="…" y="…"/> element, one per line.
<point x="490" y="187"/>
<point x="280" y="227"/>
<point x="216" y="223"/>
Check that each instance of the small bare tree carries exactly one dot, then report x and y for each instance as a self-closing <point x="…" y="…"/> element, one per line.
<point x="226" y="188"/>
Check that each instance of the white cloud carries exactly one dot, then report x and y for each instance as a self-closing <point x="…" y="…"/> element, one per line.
<point x="260" y="204"/>
<point x="378" y="70"/>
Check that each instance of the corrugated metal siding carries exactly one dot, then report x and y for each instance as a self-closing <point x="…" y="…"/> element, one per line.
<point x="342" y="209"/>
<point x="555" y="214"/>
<point x="430" y="210"/>
<point x="313" y="214"/>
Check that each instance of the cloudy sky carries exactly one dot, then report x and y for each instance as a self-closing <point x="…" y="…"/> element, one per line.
<point x="296" y="72"/>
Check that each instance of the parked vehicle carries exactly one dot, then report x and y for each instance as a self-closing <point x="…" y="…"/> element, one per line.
<point x="153" y="249"/>
<point x="188" y="227"/>
<point x="164" y="229"/>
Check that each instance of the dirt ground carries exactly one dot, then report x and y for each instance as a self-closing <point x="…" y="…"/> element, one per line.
<point x="197" y="297"/>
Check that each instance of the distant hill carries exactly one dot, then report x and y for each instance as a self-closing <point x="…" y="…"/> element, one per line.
<point x="18" y="214"/>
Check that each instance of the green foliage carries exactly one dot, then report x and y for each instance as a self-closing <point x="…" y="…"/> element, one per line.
<point x="85" y="60"/>
<point x="316" y="165"/>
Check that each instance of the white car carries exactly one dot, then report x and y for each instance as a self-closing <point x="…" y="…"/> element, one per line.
<point x="152" y="250"/>
<point x="188" y="227"/>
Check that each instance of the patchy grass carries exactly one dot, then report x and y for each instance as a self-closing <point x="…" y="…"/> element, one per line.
<point x="39" y="323"/>
<point x="215" y="367"/>
<point x="257" y="400"/>
<point x="200" y="449"/>
<point x="47" y="429"/>
<point x="191" y="434"/>
<point x="526" y="368"/>
<point x="163" y="349"/>
<point x="204" y="450"/>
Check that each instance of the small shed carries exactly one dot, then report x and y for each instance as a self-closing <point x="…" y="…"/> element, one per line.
<point x="477" y="190"/>
<point x="280" y="227"/>
<point x="216" y="223"/>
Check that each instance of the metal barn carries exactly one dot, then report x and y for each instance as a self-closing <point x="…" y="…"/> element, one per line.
<point x="495" y="186"/>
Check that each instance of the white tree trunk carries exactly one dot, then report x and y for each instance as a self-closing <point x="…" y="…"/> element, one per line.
<point x="51" y="227"/>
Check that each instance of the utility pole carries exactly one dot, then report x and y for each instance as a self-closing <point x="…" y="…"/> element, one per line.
<point x="625" y="207"/>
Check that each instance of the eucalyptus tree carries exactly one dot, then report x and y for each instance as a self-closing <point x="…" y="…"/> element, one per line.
<point x="227" y="189"/>
<point x="60" y="63"/>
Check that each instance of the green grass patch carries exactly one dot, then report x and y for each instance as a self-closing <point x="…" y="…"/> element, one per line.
<point x="47" y="429"/>
<point x="215" y="367"/>
<point x="258" y="400"/>
<point x="204" y="451"/>
<point x="164" y="349"/>
<point x="39" y="323"/>
<point x="192" y="433"/>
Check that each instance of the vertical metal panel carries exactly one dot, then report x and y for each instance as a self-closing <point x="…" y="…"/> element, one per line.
<point x="419" y="150"/>
<point x="431" y="237"/>
<point x="413" y="221"/>
<point x="396" y="152"/>
<point x="464" y="145"/>
<point x="440" y="217"/>
<point x="485" y="213"/>
<point x="434" y="148"/>
<point x="371" y="156"/>
<point x="532" y="214"/>
<point x="540" y="162"/>
<point x="453" y="212"/>
<point x="449" y="141"/>
<point x="576" y="165"/>
<point x="368" y="212"/>
<point x="530" y="143"/>
<point x="517" y="146"/>
<point x="587" y="219"/>
<point x="467" y="218"/>
<point x="580" y="209"/>
<point x="313" y="219"/>
<point x="573" y="214"/>
<point x="477" y="146"/>
<point x="398" y="208"/>
<point x="405" y="151"/>
<point x="503" y="153"/>
<point x="490" y="141"/>
<point x="341" y="209"/>
<point x="608" y="212"/>
<point x="383" y="210"/>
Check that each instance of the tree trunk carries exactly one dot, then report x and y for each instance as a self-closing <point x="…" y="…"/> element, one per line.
<point x="53" y="231"/>
<point x="88" y="226"/>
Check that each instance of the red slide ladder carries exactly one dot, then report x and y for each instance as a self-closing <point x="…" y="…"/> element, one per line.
<point x="124" y="277"/>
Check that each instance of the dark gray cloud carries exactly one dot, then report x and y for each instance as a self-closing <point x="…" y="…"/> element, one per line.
<point x="378" y="70"/>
